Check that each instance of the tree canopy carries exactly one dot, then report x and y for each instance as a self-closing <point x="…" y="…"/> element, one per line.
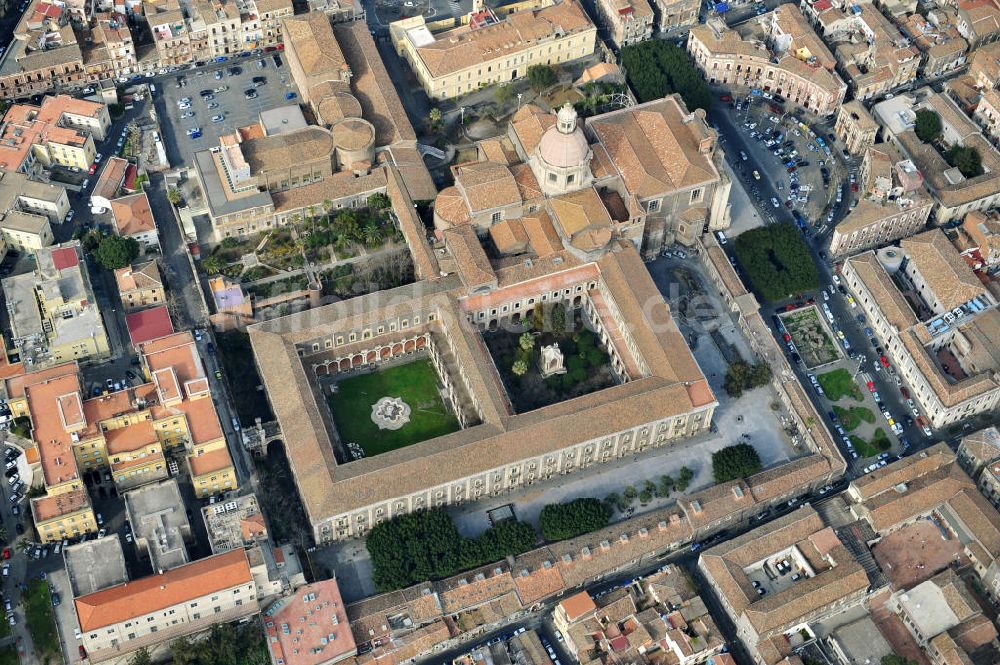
<point x="426" y="546"/>
<point x="114" y="252"/>
<point x="927" y="125"/>
<point x="657" y="68"/>
<point x="966" y="159"/>
<point x="734" y="462"/>
<point x="776" y="261"/>
<point x="568" y="520"/>
<point x="226" y="644"/>
<point x="541" y="77"/>
<point x="742" y="376"/>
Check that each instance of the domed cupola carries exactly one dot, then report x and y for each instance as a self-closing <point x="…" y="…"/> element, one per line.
<point x="561" y="162"/>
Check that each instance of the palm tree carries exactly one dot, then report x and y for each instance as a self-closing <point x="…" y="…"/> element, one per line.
<point x="174" y="196"/>
<point x="3" y="534"/>
<point x="371" y="234"/>
<point x="23" y="545"/>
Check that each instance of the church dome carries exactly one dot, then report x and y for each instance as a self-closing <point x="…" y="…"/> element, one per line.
<point x="563" y="145"/>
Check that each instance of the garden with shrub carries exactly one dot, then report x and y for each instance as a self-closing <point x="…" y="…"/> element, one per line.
<point x="776" y="261"/>
<point x="516" y="355"/>
<point x="560" y="521"/>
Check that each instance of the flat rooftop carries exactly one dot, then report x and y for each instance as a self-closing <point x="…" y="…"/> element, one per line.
<point x="95" y="564"/>
<point x="159" y="524"/>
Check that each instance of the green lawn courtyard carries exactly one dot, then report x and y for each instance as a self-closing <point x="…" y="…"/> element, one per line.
<point x="851" y="417"/>
<point x="38" y="613"/>
<point x="415" y="383"/>
<point x="839" y="383"/>
<point x="879" y="444"/>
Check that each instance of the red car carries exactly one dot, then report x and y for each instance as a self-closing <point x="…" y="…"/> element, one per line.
<point x="83" y="652"/>
<point x="6" y="553"/>
<point x="725" y="98"/>
<point x="904" y="392"/>
<point x="854" y="186"/>
<point x="884" y="361"/>
<point x="788" y="338"/>
<point x="792" y="169"/>
<point x="871" y="386"/>
<point x="93" y="169"/>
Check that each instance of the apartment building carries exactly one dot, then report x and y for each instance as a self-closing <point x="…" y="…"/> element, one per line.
<point x="855" y="127"/>
<point x="110" y="41"/>
<point x="943" y="47"/>
<point x="133" y="218"/>
<point x="44" y="54"/>
<point x="984" y="66"/>
<point x="936" y="606"/>
<point x="673" y="623"/>
<point x="150" y="610"/>
<point x="160" y="527"/>
<point x="978" y="238"/>
<point x="977" y="450"/>
<point x="795" y="64"/>
<point x="677" y="14"/>
<point x="18" y="193"/>
<point x="68" y="514"/>
<point x="825" y="580"/>
<point x="627" y="21"/>
<point x="491" y="50"/>
<point x="954" y="193"/>
<point x="938" y="323"/>
<point x="174" y="364"/>
<point x="872" y="54"/>
<point x="25" y="232"/>
<point x="339" y="11"/>
<point x="932" y="485"/>
<point x="62" y="131"/>
<point x="324" y="636"/>
<point x="893" y="203"/>
<point x="140" y="285"/>
<point x="54" y="316"/>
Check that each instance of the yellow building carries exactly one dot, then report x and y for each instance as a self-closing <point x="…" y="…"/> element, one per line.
<point x="492" y="50"/>
<point x="64" y="515"/>
<point x="212" y="470"/>
<point x="140" y="286"/>
<point x="25" y="232"/>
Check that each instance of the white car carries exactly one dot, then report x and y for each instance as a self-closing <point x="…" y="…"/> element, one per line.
<point x="193" y="130"/>
<point x="184" y="106"/>
<point x="218" y="118"/>
<point x="187" y="114"/>
<point x="775" y="202"/>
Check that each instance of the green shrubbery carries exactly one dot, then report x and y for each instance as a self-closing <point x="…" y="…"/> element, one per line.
<point x="568" y="520"/>
<point x="657" y="68"/>
<point x="426" y="546"/>
<point x="776" y="261"/>
<point x="734" y="462"/>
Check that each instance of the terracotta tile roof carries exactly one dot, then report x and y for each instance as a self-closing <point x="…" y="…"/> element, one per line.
<point x="465" y="47"/>
<point x="473" y="264"/>
<point x="582" y="219"/>
<point x="54" y="442"/>
<point x="46" y="508"/>
<point x="891" y="302"/>
<point x="542" y="235"/>
<point x="656" y="147"/>
<point x="947" y="275"/>
<point x="110" y="181"/>
<point x="138" y="277"/>
<point x="130" y="438"/>
<point x="509" y="236"/>
<point x="272" y="153"/>
<point x="373" y="86"/>
<point x="528" y="124"/>
<point x="212" y="461"/>
<point x="310" y="38"/>
<point x="133" y="215"/>
<point x="158" y="592"/>
<point x="148" y="324"/>
<point x="578" y="605"/>
<point x="486" y="185"/>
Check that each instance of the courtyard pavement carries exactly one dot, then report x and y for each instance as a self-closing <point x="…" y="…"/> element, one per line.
<point x="916" y="553"/>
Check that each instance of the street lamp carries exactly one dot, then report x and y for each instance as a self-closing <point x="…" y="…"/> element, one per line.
<point x="462" y="109"/>
<point x="519" y="100"/>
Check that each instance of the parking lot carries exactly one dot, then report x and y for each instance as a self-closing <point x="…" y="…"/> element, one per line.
<point x="784" y="163"/>
<point x="228" y="100"/>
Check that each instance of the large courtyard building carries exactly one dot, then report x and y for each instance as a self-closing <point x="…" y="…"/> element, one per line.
<point x="954" y="193"/>
<point x="939" y="324"/>
<point x="628" y="21"/>
<point x="576" y="247"/>
<point x="893" y="203"/>
<point x="491" y="50"/>
<point x="780" y="54"/>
